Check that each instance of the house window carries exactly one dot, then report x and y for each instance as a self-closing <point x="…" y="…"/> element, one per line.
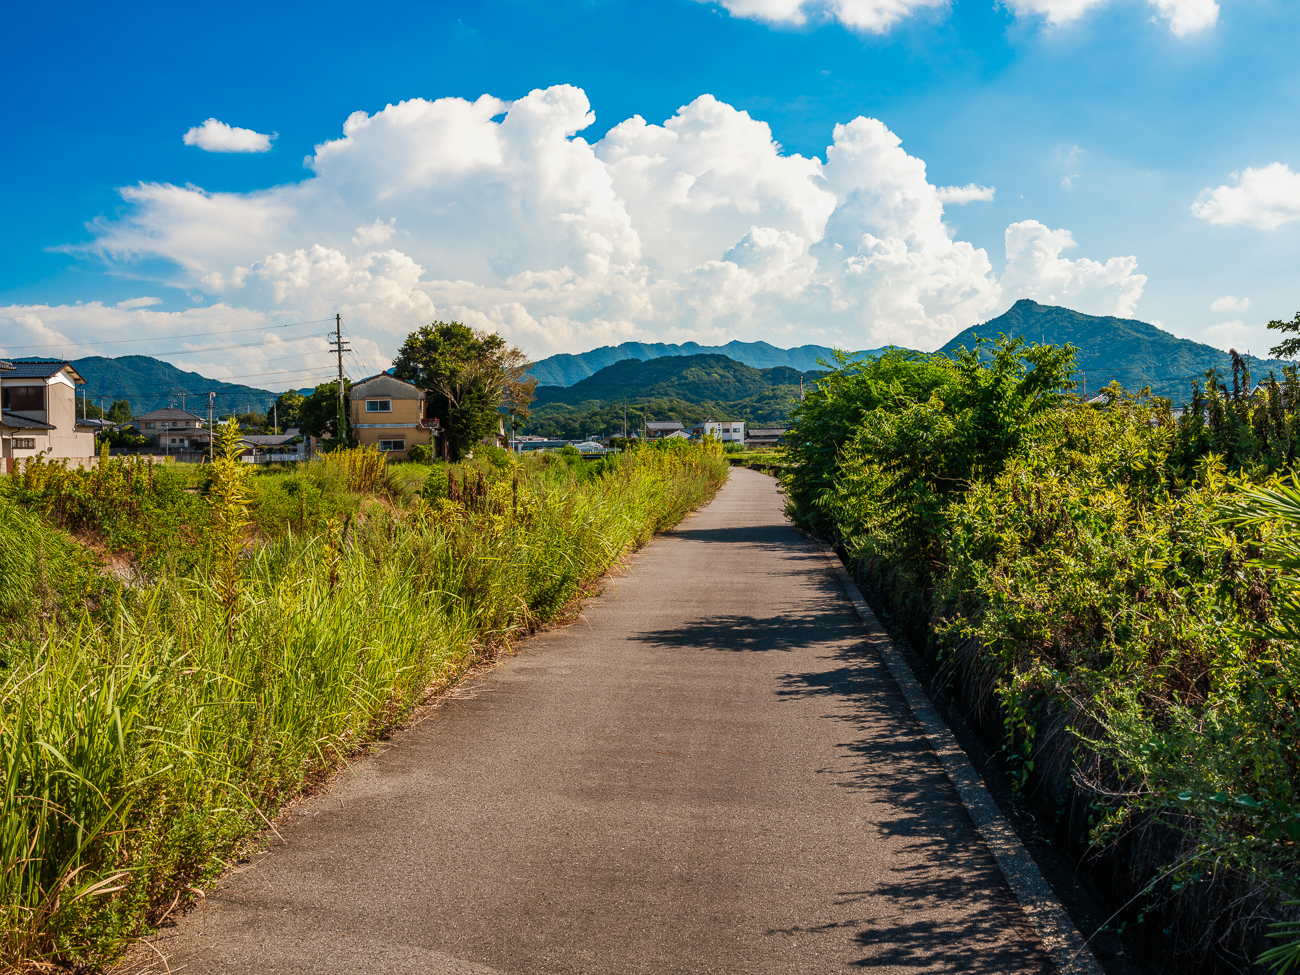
<point x="379" y="406"/>
<point x="24" y="398"/>
<point x="392" y="444"/>
<point x="148" y="426"/>
<point x="24" y="443"/>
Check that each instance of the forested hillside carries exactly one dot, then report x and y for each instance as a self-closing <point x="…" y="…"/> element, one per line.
<point x="1122" y="350"/>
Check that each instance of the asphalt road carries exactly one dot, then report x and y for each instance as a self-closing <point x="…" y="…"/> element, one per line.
<point x="711" y="772"/>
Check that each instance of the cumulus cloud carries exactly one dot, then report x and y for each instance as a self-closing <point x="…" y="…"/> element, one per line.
<point x="1229" y="303"/>
<point x="970" y="193"/>
<point x="214" y="136"/>
<point x="1267" y="198"/>
<point x="1183" y="16"/>
<point x="876" y="16"/>
<point x="502" y="215"/>
<point x="138" y="303"/>
<point x="1036" y="269"/>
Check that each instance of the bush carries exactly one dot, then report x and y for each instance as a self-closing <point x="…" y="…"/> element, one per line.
<point x="419" y="453"/>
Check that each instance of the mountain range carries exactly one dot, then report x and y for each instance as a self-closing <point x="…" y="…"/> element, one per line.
<point x="151" y="384"/>
<point x="565" y="369"/>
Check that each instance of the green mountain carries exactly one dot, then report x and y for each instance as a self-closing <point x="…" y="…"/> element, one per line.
<point x="565" y="369"/>
<point x="151" y="384"/>
<point x="1133" y="353"/>
<point x="693" y="379"/>
<point x="686" y="388"/>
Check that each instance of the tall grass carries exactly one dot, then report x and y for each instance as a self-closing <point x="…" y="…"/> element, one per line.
<point x="143" y="738"/>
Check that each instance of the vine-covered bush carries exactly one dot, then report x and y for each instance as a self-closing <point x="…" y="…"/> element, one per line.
<point x="1093" y="580"/>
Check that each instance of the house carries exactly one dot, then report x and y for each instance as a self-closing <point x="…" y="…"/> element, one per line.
<point x="281" y="449"/>
<point x="728" y="431"/>
<point x="173" y="431"/>
<point x="765" y="436"/>
<point x="658" y="429"/>
<point x="38" y="414"/>
<point x="389" y="413"/>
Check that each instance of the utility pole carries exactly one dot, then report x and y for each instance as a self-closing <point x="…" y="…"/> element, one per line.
<point x="339" y="349"/>
<point x="276" y="406"/>
<point x="624" y="419"/>
<point x="182" y="401"/>
<point x="211" y="399"/>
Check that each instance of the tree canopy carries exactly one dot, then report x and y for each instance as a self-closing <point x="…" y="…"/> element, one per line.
<point x="470" y="376"/>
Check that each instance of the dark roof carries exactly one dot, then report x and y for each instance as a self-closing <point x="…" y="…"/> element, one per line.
<point x="663" y="425"/>
<point x="170" y="413"/>
<point x="19" y="422"/>
<point x="386" y="385"/>
<point x="43" y="369"/>
<point x="6" y="366"/>
<point x="269" y="441"/>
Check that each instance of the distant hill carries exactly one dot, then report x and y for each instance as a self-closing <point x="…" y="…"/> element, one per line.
<point x="686" y="388"/>
<point x="1132" y="352"/>
<point x="565" y="369"/>
<point x="693" y="379"/>
<point x="151" y="384"/>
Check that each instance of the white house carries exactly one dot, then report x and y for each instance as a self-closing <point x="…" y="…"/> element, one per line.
<point x="728" y="431"/>
<point x="38" y="414"/>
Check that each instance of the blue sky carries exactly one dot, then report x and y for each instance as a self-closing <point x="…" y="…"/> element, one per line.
<point x="1121" y="127"/>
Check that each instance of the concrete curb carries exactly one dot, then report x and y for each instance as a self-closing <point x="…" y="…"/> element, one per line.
<point x="1061" y="939"/>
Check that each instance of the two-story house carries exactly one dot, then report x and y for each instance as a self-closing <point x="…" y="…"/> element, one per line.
<point x="390" y="413"/>
<point x="173" y="431"/>
<point x="728" y="431"/>
<point x="38" y="414"/>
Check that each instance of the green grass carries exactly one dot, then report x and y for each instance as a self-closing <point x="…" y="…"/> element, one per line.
<point x="147" y="731"/>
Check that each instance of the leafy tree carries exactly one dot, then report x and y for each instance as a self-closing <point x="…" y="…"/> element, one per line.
<point x="120" y="411"/>
<point x="125" y="437"/>
<point x="469" y="375"/>
<point x="289" y="408"/>
<point x="1287" y="348"/>
<point x="318" y="414"/>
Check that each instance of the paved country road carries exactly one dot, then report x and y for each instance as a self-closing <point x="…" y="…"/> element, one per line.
<point x="710" y="772"/>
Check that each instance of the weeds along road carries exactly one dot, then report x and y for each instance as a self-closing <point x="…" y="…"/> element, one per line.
<point x="709" y="773"/>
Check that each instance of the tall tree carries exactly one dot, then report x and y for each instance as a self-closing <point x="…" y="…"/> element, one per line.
<point x="470" y="375"/>
<point x="318" y="415"/>
<point x="289" y="407"/>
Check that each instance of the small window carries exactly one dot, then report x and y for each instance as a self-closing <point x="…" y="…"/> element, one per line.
<point x="148" y="426"/>
<point x="24" y="443"/>
<point x="392" y="444"/>
<point x="379" y="406"/>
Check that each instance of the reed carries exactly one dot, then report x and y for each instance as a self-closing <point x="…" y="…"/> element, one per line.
<point x="145" y="738"/>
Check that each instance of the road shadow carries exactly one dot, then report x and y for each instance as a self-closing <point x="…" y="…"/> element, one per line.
<point x="945" y="907"/>
<point x="739" y="633"/>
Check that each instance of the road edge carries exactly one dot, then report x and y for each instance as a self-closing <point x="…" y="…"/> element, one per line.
<point x="1060" y="937"/>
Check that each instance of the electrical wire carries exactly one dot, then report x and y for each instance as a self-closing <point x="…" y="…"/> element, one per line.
<point x="186" y="335"/>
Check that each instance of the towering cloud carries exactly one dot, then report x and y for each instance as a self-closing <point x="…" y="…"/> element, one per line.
<point x="502" y="215"/>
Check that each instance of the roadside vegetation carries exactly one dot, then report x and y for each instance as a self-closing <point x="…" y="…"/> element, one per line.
<point x="1109" y="591"/>
<point x="186" y="649"/>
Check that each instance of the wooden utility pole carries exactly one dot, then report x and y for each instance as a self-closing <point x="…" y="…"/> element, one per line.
<point x="182" y="401"/>
<point x="276" y="407"/>
<point x="337" y="342"/>
<point x="211" y="399"/>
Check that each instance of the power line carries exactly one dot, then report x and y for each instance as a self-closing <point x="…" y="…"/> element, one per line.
<point x="185" y="335"/>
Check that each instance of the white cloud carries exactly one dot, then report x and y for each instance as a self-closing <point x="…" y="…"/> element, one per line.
<point x="700" y="227"/>
<point x="1035" y="269"/>
<point x="1267" y="198"/>
<point x="214" y="136"/>
<point x="876" y="16"/>
<point x="970" y="193"/>
<point x="1183" y="16"/>
<point x="1228" y="335"/>
<point x="1229" y="303"/>
<point x="138" y="303"/>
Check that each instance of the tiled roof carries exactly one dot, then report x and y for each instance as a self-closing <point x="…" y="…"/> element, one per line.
<point x="42" y="369"/>
<point x="261" y="441"/>
<point x="663" y="425"/>
<point x="170" y="413"/>
<point x="23" y="423"/>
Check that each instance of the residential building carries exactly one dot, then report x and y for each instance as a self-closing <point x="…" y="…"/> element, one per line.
<point x="389" y="413"/>
<point x="282" y="449"/>
<point x="728" y="431"/>
<point x="38" y="414"/>
<point x="765" y="436"/>
<point x="658" y="429"/>
<point x="173" y="431"/>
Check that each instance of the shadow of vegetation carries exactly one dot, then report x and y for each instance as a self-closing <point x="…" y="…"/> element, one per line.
<point x="945" y="906"/>
<point x="753" y="634"/>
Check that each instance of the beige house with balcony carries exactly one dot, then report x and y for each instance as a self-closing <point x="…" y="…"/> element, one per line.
<point x="38" y="414"/>
<point x="389" y="413"/>
<point x="173" y="431"/>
